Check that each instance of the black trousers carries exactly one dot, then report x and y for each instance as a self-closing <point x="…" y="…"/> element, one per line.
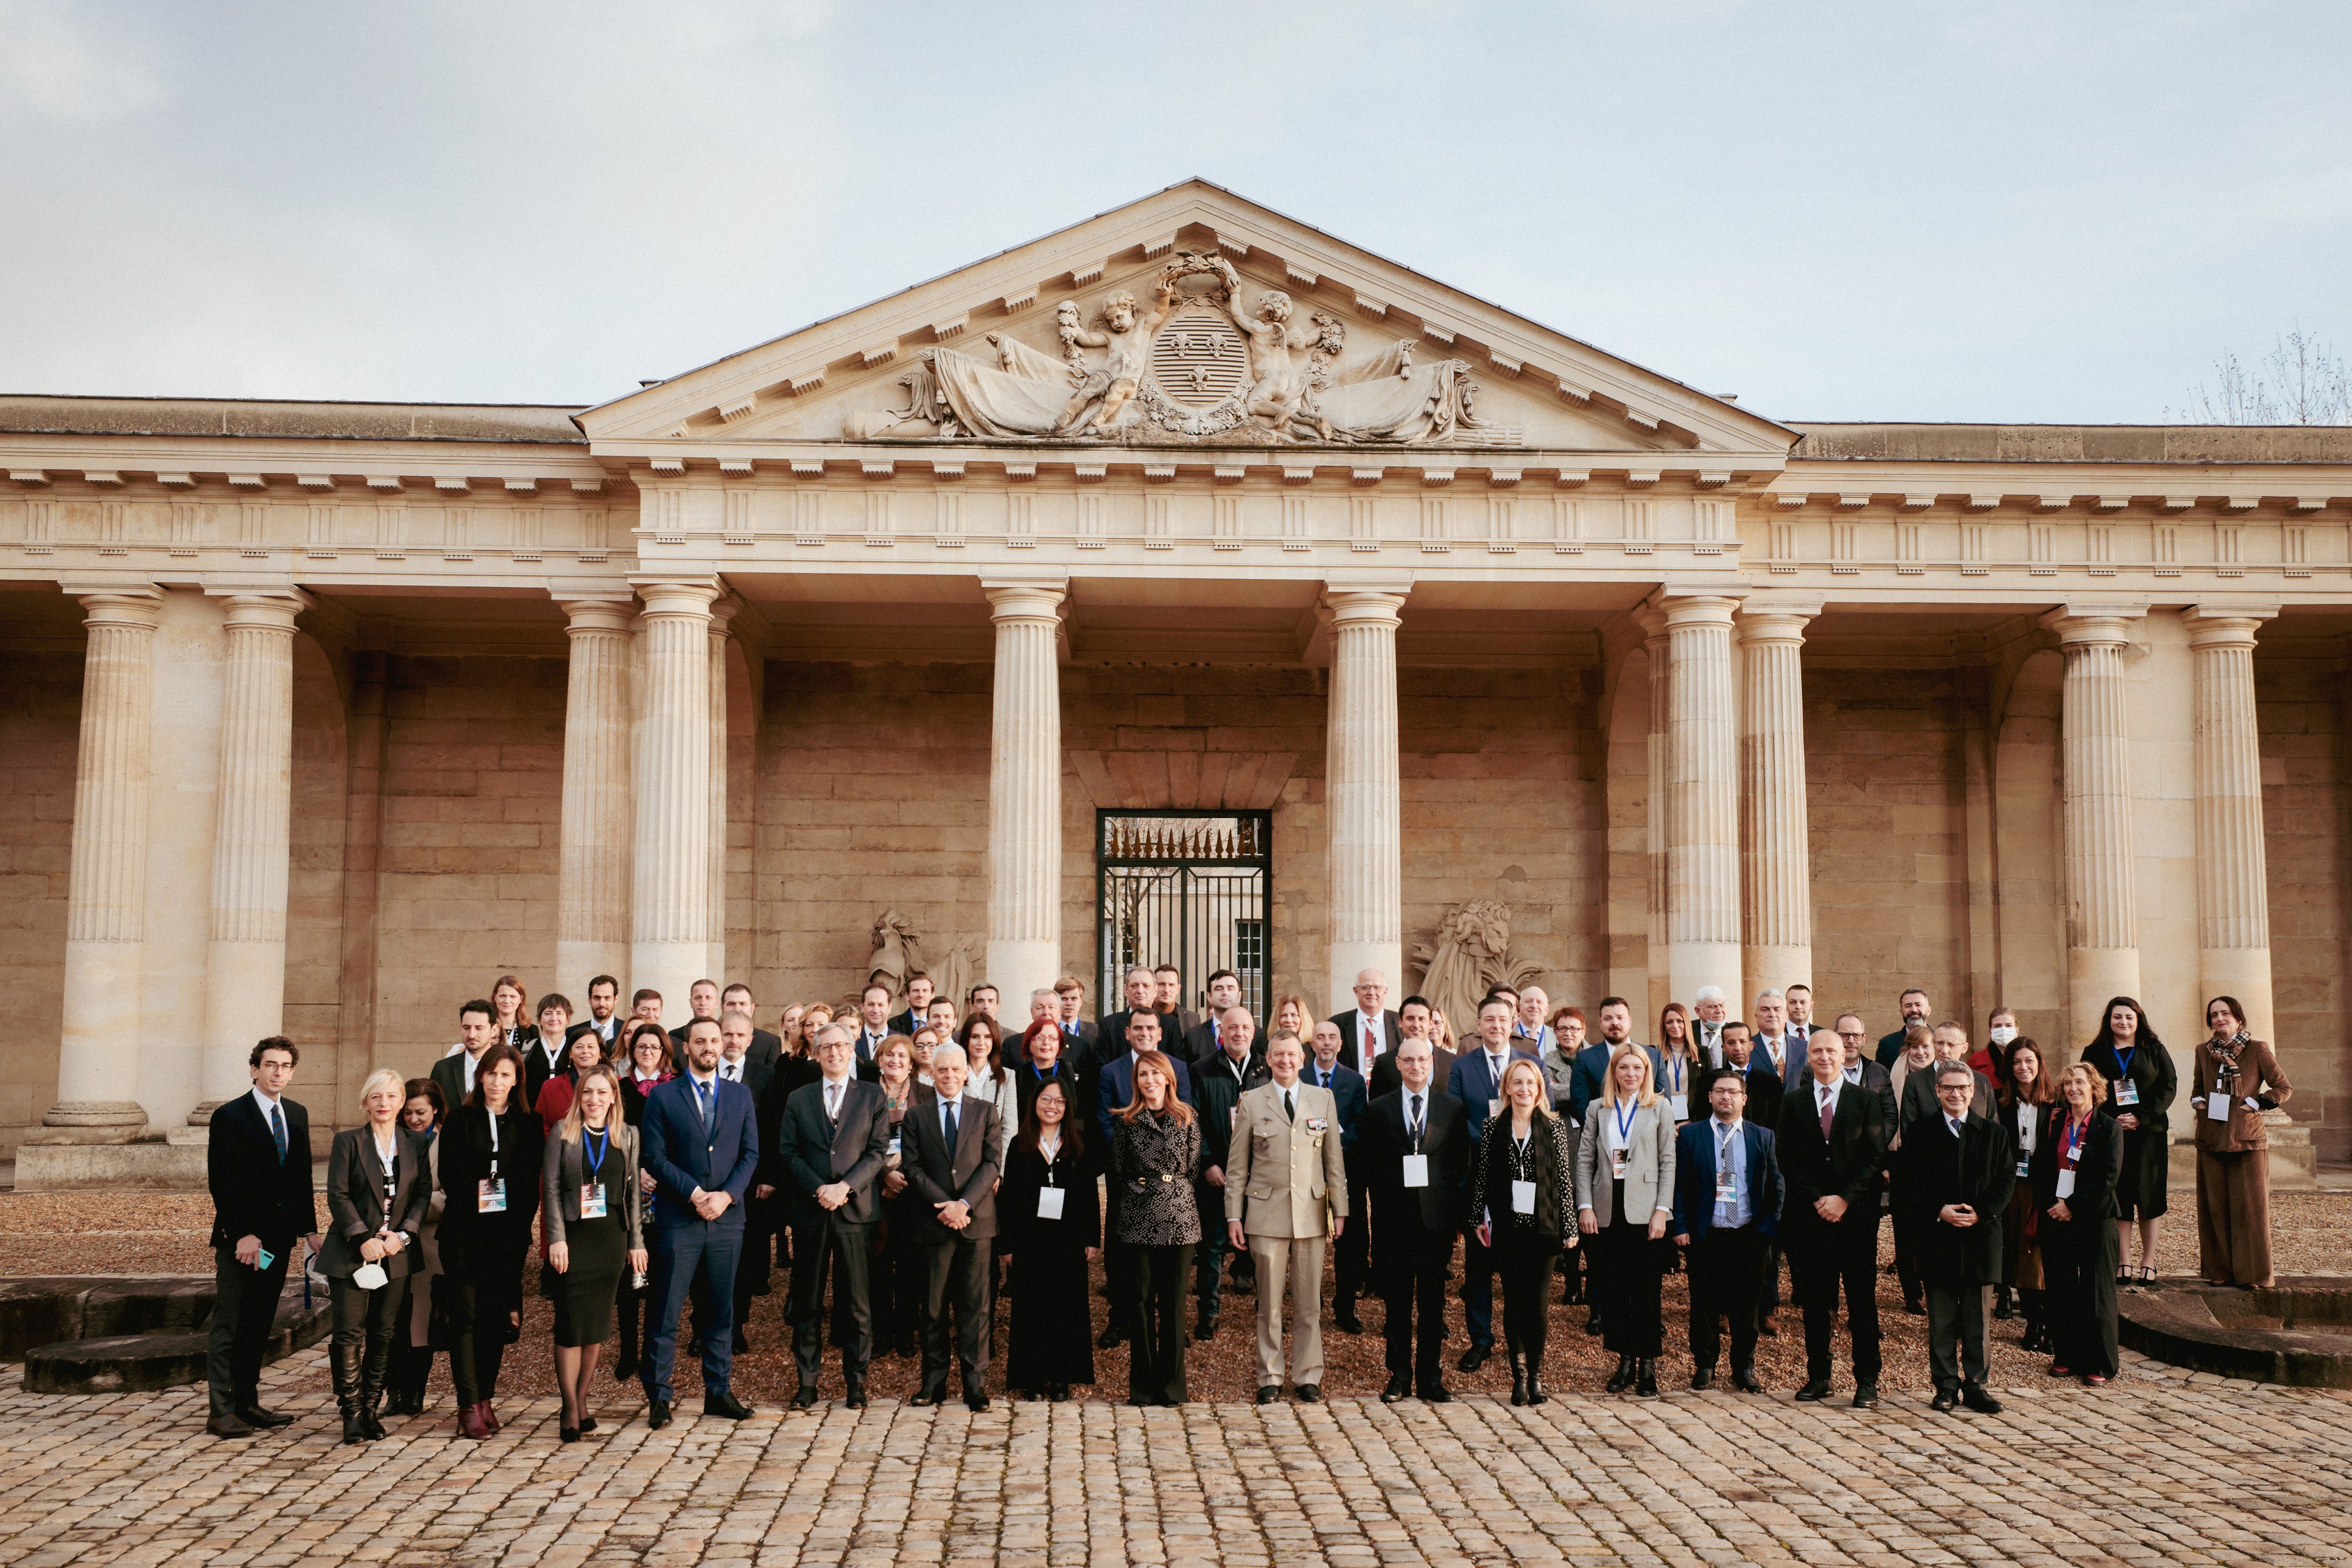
<point x="1956" y="1335"/>
<point x="1352" y="1269"/>
<point x="1410" y="1266"/>
<point x="1523" y="1256"/>
<point x="1155" y="1307"/>
<point x="1822" y="1259"/>
<point x="245" y="1306"/>
<point x="1478" y="1291"/>
<point x="2078" y="1271"/>
<point x="1726" y="1280"/>
<point x="845" y="1251"/>
<point x="955" y="1276"/>
<point x="367" y="1323"/>
<point x="1908" y="1242"/>
<point x="1633" y="1271"/>
<point x="481" y="1291"/>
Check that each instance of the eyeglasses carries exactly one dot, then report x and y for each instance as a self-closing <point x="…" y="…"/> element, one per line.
<point x="1850" y="1034"/>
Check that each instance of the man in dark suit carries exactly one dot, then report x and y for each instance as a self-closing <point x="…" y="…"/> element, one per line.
<point x="1915" y="1010"/>
<point x="1761" y="1085"/>
<point x="604" y="1016"/>
<point x="1367" y="1031"/>
<point x="738" y="1062"/>
<point x="1114" y="1087"/>
<point x="1860" y="1068"/>
<point x="872" y="1024"/>
<point x="1415" y="1021"/>
<point x="1954" y="1176"/>
<point x="1352" y="1269"/>
<point x="702" y="1002"/>
<point x="1923" y="1092"/>
<point x="1415" y="1153"/>
<point x="1078" y="1035"/>
<point x="477" y="1030"/>
<point x="1142" y="993"/>
<point x="1830" y="1143"/>
<point x="1727" y="1208"/>
<point x="258" y="1163"/>
<point x="949" y="1149"/>
<point x="1476" y="1080"/>
<point x="918" y="1002"/>
<point x="1201" y="1039"/>
<point x="767" y="1047"/>
<point x="1591" y="1070"/>
<point x="836" y="1136"/>
<point x="1217" y="1087"/>
<point x="1167" y="995"/>
<point x="701" y="1145"/>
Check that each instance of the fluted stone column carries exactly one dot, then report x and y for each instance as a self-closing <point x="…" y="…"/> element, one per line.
<point x="244" y="960"/>
<point x="2102" y="892"/>
<point x="671" y="941"/>
<point x="1363" y="801"/>
<point x="1776" y="882"/>
<point x="1024" y="790"/>
<point x="592" y="930"/>
<point x="722" y="615"/>
<point x="106" y="898"/>
<point x="1702" y="799"/>
<point x="1655" y="644"/>
<point x="2233" y="912"/>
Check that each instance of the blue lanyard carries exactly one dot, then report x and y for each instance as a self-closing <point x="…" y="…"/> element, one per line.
<point x="2123" y="1061"/>
<point x="597" y="1141"/>
<point x="1624" y="1118"/>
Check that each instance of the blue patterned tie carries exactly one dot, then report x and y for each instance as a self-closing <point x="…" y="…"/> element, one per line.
<point x="278" y="1130"/>
<point x="703" y="1090"/>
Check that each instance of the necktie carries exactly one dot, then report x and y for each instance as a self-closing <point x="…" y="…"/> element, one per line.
<point x="1290" y="1111"/>
<point x="702" y="1090"/>
<point x="1829" y="1109"/>
<point x="1416" y="1123"/>
<point x="278" y="1130"/>
<point x="950" y="1110"/>
<point x="833" y="1103"/>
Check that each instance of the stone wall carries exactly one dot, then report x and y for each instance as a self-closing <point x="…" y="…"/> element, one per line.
<point x="40" y="733"/>
<point x="2300" y="705"/>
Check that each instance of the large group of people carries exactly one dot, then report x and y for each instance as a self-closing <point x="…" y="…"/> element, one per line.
<point x="914" y="1162"/>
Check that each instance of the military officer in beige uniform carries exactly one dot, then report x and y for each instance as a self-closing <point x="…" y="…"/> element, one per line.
<point x="1285" y="1195"/>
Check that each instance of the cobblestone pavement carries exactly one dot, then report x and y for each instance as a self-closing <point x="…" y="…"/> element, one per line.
<point x="2162" y="1466"/>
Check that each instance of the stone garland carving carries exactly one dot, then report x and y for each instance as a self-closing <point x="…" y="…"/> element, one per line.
<point x="1190" y="365"/>
<point x="1468" y="955"/>
<point x="898" y="953"/>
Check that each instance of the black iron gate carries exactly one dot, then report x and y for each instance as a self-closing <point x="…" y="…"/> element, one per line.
<point x="1191" y="888"/>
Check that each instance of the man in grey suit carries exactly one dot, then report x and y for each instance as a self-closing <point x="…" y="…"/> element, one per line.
<point x="835" y="1136"/>
<point x="949" y="1146"/>
<point x="1285" y="1195"/>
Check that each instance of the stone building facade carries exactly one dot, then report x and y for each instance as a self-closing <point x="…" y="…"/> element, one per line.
<point x="317" y="716"/>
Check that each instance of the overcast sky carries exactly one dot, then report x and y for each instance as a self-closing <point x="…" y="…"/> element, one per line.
<point x="2013" y="210"/>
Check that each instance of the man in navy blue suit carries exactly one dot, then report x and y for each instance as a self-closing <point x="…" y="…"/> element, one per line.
<point x="1591" y="1068"/>
<point x="1351" y="1273"/>
<point x="1476" y="1080"/>
<point x="701" y="1145"/>
<point x="1726" y="1210"/>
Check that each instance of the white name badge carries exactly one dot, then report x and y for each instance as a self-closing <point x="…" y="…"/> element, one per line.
<point x="2025" y="1168"/>
<point x="1680" y="1105"/>
<point x="1049" y="1203"/>
<point x="1416" y="1170"/>
<point x="2217" y="1107"/>
<point x="894" y="1146"/>
<point x="2065" y="1183"/>
<point x="1494" y="1109"/>
<point x="1617" y="1164"/>
<point x="1523" y="1197"/>
<point x="592" y="1200"/>
<point x="490" y="1195"/>
<point x="1727" y="1187"/>
<point x="2126" y="1092"/>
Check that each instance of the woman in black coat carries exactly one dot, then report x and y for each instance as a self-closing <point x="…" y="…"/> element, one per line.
<point x="1046" y="1242"/>
<point x="1155" y="1157"/>
<point x="2074" y="1167"/>
<point x="379" y="1180"/>
<point x="491" y="1160"/>
<point x="2141" y="1081"/>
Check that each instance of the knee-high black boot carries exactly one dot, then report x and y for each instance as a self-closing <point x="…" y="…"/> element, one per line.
<point x="343" y="1360"/>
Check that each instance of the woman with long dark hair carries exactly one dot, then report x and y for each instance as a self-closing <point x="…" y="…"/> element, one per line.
<point x="514" y="1029"/>
<point x="1155" y="1157"/>
<point x="2237" y="1079"/>
<point x="2141" y="1081"/>
<point x="411" y="1351"/>
<point x="1049" y="1228"/>
<point x="490" y="1169"/>
<point x="2026" y="1092"/>
<point x="646" y="1062"/>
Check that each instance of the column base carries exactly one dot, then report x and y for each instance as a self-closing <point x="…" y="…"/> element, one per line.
<point x="91" y="1122"/>
<point x="148" y="1166"/>
<point x="202" y="1116"/>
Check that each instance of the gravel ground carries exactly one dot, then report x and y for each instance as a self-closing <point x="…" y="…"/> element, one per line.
<point x="81" y="1233"/>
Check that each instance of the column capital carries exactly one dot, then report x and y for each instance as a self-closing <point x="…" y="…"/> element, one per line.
<point x="2094" y="625"/>
<point x="1363" y="604"/>
<point x="1709" y="609"/>
<point x="138" y="606"/>
<point x="1018" y="597"/>
<point x="723" y="611"/>
<point x="262" y="609"/>
<point x="688" y="598"/>
<point x="2226" y="626"/>
<point x="1774" y="620"/>
<point x="604" y="611"/>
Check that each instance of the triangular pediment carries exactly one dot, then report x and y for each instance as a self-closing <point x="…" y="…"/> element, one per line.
<point x="1192" y="317"/>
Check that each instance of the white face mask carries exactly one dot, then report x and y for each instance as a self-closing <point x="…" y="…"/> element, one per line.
<point x="2002" y="1033"/>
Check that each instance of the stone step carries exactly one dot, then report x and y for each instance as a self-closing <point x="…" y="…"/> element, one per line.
<point x="118" y="1364"/>
<point x="37" y="1309"/>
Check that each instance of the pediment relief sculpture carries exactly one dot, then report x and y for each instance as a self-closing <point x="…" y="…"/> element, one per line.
<point x="1197" y="362"/>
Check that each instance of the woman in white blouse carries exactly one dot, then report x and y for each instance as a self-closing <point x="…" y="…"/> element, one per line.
<point x="1625" y="1195"/>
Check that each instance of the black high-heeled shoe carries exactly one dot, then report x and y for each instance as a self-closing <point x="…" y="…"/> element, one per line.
<point x="1622" y="1379"/>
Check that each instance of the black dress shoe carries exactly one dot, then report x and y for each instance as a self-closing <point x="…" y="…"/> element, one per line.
<point x="1866" y="1396"/>
<point x="587" y="1423"/>
<point x="254" y="1415"/>
<point x="856" y="1399"/>
<point x="1914" y="1307"/>
<point x="227" y="1427"/>
<point x="1435" y="1393"/>
<point x="1622" y="1379"/>
<point x="1109" y="1338"/>
<point x="1473" y="1359"/>
<point x="1814" y="1392"/>
<point x="724" y="1403"/>
<point x="975" y="1403"/>
<point x="567" y="1434"/>
<point x="1348" y="1322"/>
<point x="805" y="1396"/>
<point x="657" y="1414"/>
<point x="1974" y="1396"/>
<point x="1702" y="1377"/>
<point x="1945" y="1402"/>
<point x="929" y="1397"/>
<point x="1745" y="1379"/>
<point x="1205" y="1326"/>
<point x="1399" y="1388"/>
<point x="1308" y="1393"/>
<point x="1646" y="1378"/>
<point x="1269" y="1394"/>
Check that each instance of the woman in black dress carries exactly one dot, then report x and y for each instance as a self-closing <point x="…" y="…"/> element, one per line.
<point x="1155" y="1155"/>
<point x="2074" y="1169"/>
<point x="2141" y="1083"/>
<point x="1048" y="1229"/>
<point x="490" y="1156"/>
<point x="595" y="1226"/>
<point x="899" y="1267"/>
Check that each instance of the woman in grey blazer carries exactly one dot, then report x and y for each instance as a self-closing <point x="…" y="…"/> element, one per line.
<point x="1625" y="1195"/>
<point x="593" y="1224"/>
<point x="378" y="1184"/>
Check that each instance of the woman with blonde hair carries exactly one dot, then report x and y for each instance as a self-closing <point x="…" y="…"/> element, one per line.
<point x="1291" y="1013"/>
<point x="1155" y="1154"/>
<point x="2076" y="1164"/>
<point x="1625" y="1195"/>
<point x="378" y="1184"/>
<point x="1522" y="1195"/>
<point x="594" y="1223"/>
